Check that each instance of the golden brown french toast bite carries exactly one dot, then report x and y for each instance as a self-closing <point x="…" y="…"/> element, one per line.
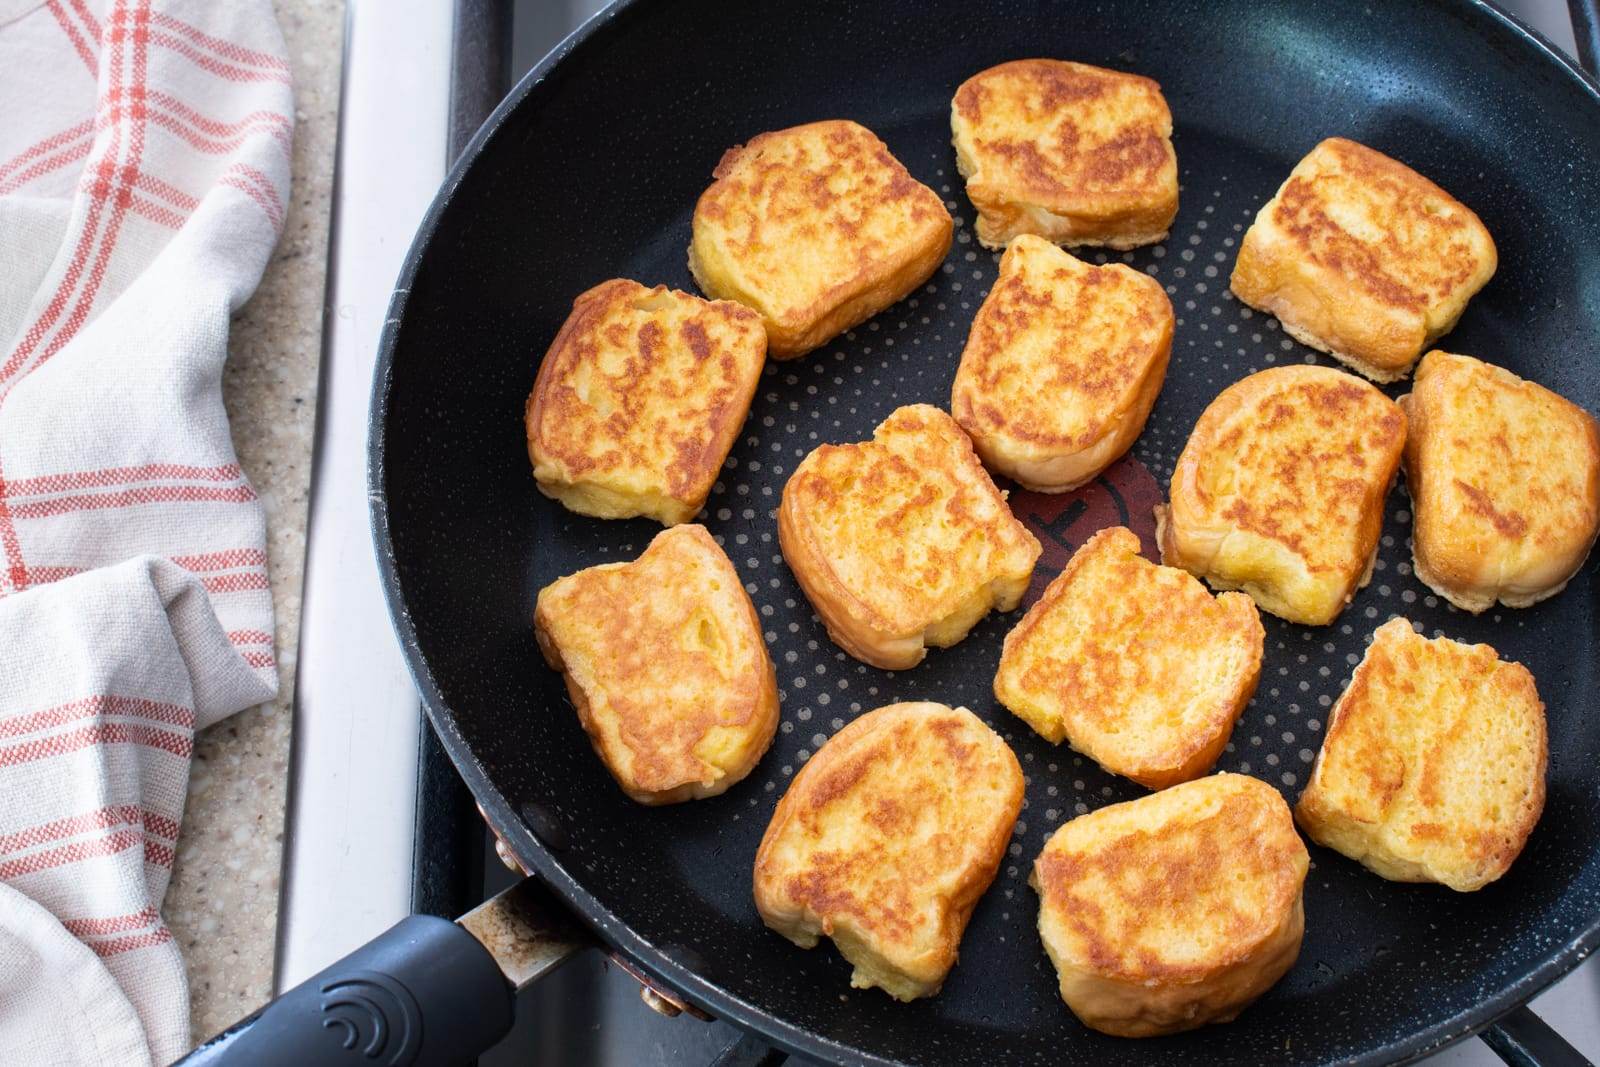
<point x="639" y="399"/>
<point x="1062" y="365"/>
<point x="1078" y="155"/>
<point x="817" y="228"/>
<point x="1504" y="477"/>
<point x="1175" y="910"/>
<point x="1280" y="488"/>
<point x="887" y="838"/>
<point x="1138" y="666"/>
<point x="1433" y="766"/>
<point x="664" y="660"/>
<point x="903" y="541"/>
<point x="1361" y="257"/>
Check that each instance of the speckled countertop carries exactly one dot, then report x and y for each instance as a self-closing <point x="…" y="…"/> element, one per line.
<point x="223" y="901"/>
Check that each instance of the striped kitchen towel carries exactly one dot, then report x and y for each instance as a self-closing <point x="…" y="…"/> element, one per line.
<point x="144" y="171"/>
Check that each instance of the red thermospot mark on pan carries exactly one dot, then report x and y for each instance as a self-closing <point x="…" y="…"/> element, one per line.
<point x="1124" y="495"/>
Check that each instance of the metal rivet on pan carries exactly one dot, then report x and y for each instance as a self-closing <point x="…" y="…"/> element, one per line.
<point x="503" y="850"/>
<point x="545" y="826"/>
<point x="658" y="999"/>
<point x="659" y="1002"/>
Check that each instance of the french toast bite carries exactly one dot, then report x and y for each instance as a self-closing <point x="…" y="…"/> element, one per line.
<point x="1175" y="910"/>
<point x="886" y="839"/>
<point x="1433" y="766"/>
<point x="1361" y="257"/>
<point x="1280" y="489"/>
<point x="1136" y="665"/>
<point x="1078" y="155"/>
<point x="1062" y="365"/>
<point x="1504" y="477"/>
<point x="903" y="541"/>
<point x="664" y="660"/>
<point x="639" y="399"/>
<point x="818" y="228"/>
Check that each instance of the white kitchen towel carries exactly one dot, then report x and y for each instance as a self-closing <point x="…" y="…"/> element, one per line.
<point x="144" y="172"/>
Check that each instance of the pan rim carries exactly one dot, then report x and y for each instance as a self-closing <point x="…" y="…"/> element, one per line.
<point x="536" y="857"/>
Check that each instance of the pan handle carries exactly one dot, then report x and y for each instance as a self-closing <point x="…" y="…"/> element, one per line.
<point x="1523" y="1039"/>
<point x="422" y="992"/>
<point x="425" y="993"/>
<point x="1586" y="32"/>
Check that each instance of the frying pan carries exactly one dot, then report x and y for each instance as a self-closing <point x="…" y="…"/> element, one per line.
<point x="590" y="170"/>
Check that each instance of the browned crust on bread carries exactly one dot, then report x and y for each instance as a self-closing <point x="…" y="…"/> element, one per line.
<point x="1504" y="477"/>
<point x="890" y="231"/>
<point x="1074" y="153"/>
<point x="1175" y="910"/>
<point x="891" y="547"/>
<point x="641" y="395"/>
<point x="1061" y="367"/>
<point x="1371" y="301"/>
<point x="1384" y="791"/>
<point x="1142" y="653"/>
<point x="872" y="836"/>
<point x="1297" y="460"/>
<point x="630" y="638"/>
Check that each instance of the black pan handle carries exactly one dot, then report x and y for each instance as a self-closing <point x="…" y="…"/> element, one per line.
<point x="423" y="992"/>
<point x="1586" y="32"/>
<point x="1523" y="1039"/>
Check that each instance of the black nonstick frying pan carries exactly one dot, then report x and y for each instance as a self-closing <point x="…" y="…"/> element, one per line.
<point x="590" y="170"/>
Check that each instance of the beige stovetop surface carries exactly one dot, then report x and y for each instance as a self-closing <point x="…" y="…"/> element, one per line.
<point x="223" y="902"/>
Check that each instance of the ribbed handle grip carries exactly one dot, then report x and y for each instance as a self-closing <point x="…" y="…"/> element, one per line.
<point x="423" y="993"/>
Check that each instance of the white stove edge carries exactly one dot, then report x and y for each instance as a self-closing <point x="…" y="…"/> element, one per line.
<point x="349" y="838"/>
<point x="348" y="841"/>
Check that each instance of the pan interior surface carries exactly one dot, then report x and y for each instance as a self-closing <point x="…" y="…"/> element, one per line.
<point x="593" y="174"/>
